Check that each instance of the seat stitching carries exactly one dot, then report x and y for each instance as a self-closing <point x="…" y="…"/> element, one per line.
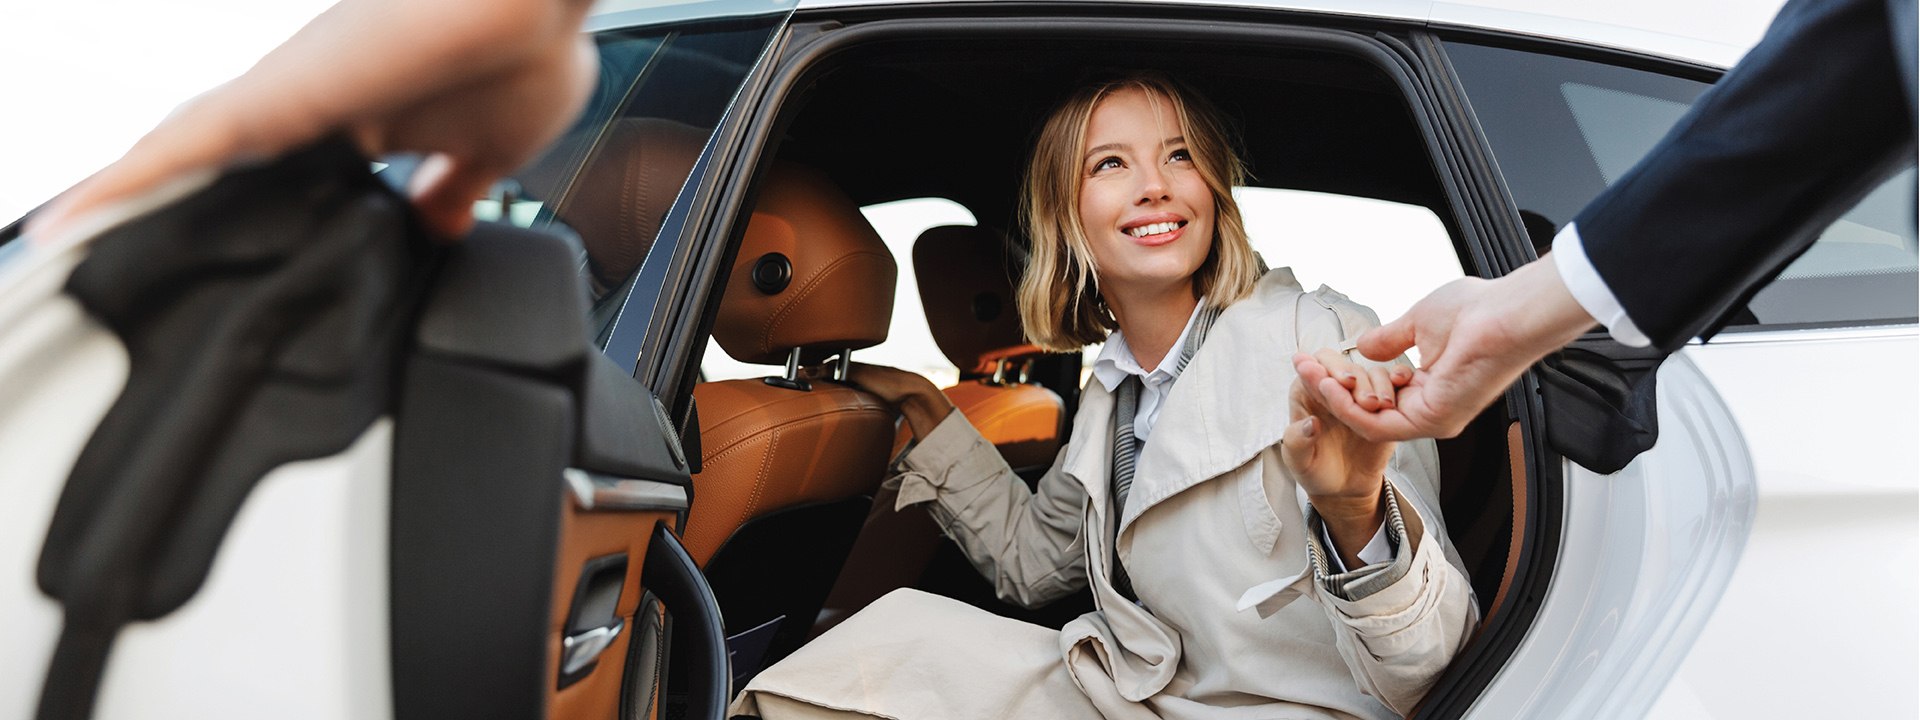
<point x="813" y="283"/>
<point x="766" y="462"/>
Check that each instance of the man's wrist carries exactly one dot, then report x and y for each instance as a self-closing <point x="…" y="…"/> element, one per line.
<point x="1553" y="317"/>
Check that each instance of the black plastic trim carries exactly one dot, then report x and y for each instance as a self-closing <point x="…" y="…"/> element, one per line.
<point x="618" y="425"/>
<point x="1675" y="67"/>
<point x="671" y="574"/>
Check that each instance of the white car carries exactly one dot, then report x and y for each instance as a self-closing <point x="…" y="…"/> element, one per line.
<point x="1757" y="561"/>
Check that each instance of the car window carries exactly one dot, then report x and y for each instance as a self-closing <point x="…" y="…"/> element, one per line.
<point x="1563" y="129"/>
<point x="610" y="181"/>
<point x="909" y="344"/>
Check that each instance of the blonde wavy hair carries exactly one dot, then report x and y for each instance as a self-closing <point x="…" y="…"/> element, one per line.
<point x="1059" y="297"/>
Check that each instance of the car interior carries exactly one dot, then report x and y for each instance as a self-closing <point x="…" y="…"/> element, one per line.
<point x="791" y="521"/>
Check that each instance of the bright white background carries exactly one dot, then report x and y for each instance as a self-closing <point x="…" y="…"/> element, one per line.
<point x="84" y="79"/>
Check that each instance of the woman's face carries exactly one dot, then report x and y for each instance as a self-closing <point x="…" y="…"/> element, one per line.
<point x="1147" y="211"/>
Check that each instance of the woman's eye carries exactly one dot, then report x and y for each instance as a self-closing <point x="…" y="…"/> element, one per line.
<point x="1106" y="164"/>
<point x="1180" y="155"/>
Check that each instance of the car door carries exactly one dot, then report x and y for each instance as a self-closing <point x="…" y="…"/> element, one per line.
<point x="1684" y="553"/>
<point x="496" y="538"/>
<point x="621" y="186"/>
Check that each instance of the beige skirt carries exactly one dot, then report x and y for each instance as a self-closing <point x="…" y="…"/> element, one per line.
<point x="912" y="655"/>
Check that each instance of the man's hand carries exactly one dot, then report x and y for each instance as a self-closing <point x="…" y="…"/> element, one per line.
<point x="477" y="87"/>
<point x="1475" y="337"/>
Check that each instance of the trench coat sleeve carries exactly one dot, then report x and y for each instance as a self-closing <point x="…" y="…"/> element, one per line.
<point x="1028" y="543"/>
<point x="1397" y="624"/>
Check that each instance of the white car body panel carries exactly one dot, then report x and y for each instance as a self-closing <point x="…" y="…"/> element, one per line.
<point x="299" y="586"/>
<point x="1644" y="555"/>
<point x="1825" y="595"/>
<point x="78" y="369"/>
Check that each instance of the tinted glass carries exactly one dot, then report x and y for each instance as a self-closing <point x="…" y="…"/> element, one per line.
<point x="1563" y="129"/>
<point x="612" y="179"/>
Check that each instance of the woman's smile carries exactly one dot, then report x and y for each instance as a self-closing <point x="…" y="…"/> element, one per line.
<point x="1141" y="181"/>
<point x="1155" y="230"/>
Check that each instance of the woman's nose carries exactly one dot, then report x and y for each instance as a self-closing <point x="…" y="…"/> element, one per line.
<point x="1153" y="185"/>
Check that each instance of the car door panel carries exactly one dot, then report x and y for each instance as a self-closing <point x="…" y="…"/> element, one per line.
<point x="1655" y="545"/>
<point x="336" y="445"/>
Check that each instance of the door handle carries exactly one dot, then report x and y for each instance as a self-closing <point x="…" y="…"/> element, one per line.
<point x="593" y="620"/>
<point x="579" y="650"/>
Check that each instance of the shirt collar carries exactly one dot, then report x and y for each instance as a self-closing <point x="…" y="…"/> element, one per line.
<point x="1115" y="361"/>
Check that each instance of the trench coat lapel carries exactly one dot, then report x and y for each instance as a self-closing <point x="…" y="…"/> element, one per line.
<point x="1228" y="405"/>
<point x="1090" y="447"/>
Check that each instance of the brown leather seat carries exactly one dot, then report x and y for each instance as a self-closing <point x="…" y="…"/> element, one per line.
<point x="966" y="284"/>
<point x="788" y="468"/>
<point x="967" y="281"/>
<point x="1484" y="497"/>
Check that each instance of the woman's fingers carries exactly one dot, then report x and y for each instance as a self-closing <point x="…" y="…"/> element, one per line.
<point x="1381" y="377"/>
<point x="1338" y="366"/>
<point x="1366" y="386"/>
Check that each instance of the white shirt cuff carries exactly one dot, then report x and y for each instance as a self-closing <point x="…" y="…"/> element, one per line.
<point x="1588" y="289"/>
<point x="1377" y="550"/>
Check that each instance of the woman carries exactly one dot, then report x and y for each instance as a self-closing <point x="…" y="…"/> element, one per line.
<point x="1213" y="516"/>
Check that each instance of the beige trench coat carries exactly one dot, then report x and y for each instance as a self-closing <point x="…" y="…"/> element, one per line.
<point x="1231" y="621"/>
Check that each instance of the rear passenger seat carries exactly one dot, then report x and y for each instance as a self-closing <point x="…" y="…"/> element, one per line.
<point x="966" y="283"/>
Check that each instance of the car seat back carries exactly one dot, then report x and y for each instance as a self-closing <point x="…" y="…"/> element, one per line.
<point x="966" y="280"/>
<point x="784" y="458"/>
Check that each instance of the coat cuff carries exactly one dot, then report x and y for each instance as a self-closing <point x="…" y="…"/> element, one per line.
<point x="923" y="472"/>
<point x="1362" y="582"/>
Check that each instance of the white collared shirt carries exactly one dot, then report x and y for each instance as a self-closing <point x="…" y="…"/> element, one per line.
<point x="1588" y="289"/>
<point x="1115" y="362"/>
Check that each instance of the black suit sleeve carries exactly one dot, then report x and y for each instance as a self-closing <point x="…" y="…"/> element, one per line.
<point x="1815" y="117"/>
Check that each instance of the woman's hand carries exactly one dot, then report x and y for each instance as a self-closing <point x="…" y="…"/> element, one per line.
<point x="923" y="404"/>
<point x="1341" y="472"/>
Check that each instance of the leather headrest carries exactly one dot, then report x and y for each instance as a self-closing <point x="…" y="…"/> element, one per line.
<point x="966" y="285"/>
<point x="811" y="274"/>
<point x="623" y="192"/>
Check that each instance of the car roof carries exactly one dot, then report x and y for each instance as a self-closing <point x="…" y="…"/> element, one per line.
<point x="1708" y="33"/>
